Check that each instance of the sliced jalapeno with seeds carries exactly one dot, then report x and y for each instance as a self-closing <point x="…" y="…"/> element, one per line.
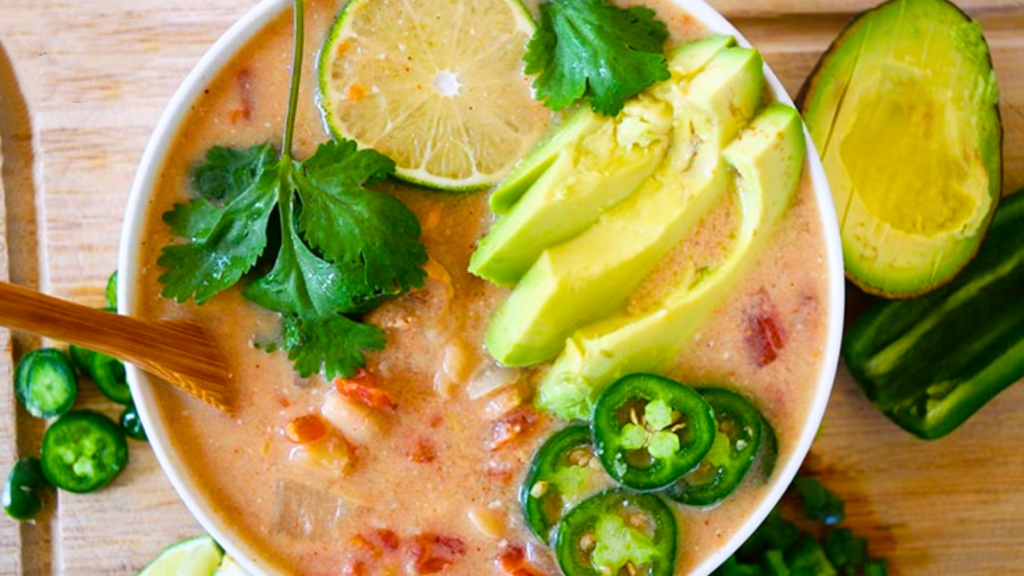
<point x="650" y="430"/>
<point x="45" y="383"/>
<point x="738" y="441"/>
<point x="618" y="532"/>
<point x="83" y="451"/>
<point x="564" y="471"/>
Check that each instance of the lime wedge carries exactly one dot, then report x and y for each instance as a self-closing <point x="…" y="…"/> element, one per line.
<point x="228" y="567"/>
<point x="436" y="85"/>
<point x="193" y="557"/>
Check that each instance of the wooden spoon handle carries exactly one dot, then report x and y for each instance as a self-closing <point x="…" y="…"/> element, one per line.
<point x="179" y="352"/>
<point x="119" y="336"/>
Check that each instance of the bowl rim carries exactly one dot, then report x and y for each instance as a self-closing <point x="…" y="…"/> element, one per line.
<point x="199" y="503"/>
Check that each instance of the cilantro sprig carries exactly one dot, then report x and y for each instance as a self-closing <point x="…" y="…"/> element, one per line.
<point x="593" y="48"/>
<point x="779" y="547"/>
<point x="341" y="248"/>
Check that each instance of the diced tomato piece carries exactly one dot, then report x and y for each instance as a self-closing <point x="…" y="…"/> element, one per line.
<point x="363" y="388"/>
<point x="243" y="79"/>
<point x="388" y="539"/>
<point x="511" y="426"/>
<point x="306" y="429"/>
<point x="354" y="568"/>
<point x="763" y="334"/>
<point x="432" y="553"/>
<point x="512" y="560"/>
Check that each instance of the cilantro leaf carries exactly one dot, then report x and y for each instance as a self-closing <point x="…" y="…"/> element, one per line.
<point x="820" y="503"/>
<point x="224" y="242"/>
<point x="312" y="296"/>
<point x="343" y="246"/>
<point x="227" y="171"/>
<point x="352" y="225"/>
<point x="591" y="47"/>
<point x="333" y="345"/>
<point x="362" y="245"/>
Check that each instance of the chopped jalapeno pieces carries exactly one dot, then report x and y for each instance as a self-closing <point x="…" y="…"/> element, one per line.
<point x="650" y="430"/>
<point x="21" y="491"/>
<point x="736" y="446"/>
<point x="618" y="532"/>
<point x="107" y="373"/>
<point x="45" y="383"/>
<point x="83" y="451"/>
<point x="111" y="292"/>
<point x="132" y="424"/>
<point x="564" y="471"/>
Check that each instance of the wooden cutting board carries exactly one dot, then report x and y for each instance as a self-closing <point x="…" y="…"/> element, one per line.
<point x="91" y="80"/>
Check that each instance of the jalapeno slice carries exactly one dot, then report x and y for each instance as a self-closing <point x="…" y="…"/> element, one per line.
<point x="564" y="471"/>
<point x="83" y="451"/>
<point x="45" y="383"/>
<point x="21" y="498"/>
<point x="618" y="532"/>
<point x="650" y="430"/>
<point x="107" y="373"/>
<point x="737" y="442"/>
<point x="132" y="424"/>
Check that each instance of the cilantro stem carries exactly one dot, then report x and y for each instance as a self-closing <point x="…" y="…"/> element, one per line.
<point x="293" y="95"/>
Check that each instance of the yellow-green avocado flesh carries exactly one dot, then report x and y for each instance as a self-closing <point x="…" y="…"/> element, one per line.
<point x="592" y="275"/>
<point x="584" y="167"/>
<point x="903" y="110"/>
<point x="766" y="161"/>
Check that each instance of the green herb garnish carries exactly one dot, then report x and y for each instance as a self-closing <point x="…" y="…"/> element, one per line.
<point x="343" y="248"/>
<point x="780" y="548"/>
<point x="820" y="503"/>
<point x="591" y="47"/>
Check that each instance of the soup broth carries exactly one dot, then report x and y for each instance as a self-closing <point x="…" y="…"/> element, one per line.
<point x="439" y="476"/>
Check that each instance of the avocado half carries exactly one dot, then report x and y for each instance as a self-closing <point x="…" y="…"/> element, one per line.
<point x="903" y="108"/>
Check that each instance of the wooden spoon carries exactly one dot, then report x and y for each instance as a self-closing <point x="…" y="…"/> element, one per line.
<point x="179" y="352"/>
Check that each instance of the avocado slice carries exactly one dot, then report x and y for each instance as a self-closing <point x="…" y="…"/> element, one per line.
<point x="592" y="275"/>
<point x="586" y="166"/>
<point x="903" y="110"/>
<point x="591" y="174"/>
<point x="576" y="126"/>
<point x="767" y="160"/>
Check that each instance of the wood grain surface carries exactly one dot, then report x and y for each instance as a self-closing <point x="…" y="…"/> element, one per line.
<point x="91" y="80"/>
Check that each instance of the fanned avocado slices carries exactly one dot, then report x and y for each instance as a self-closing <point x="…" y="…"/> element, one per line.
<point x="903" y="110"/>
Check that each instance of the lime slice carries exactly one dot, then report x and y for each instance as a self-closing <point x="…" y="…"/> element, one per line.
<point x="193" y="557"/>
<point x="228" y="567"/>
<point x="436" y="85"/>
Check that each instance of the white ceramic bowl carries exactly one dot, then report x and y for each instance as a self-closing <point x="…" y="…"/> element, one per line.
<point x="191" y="89"/>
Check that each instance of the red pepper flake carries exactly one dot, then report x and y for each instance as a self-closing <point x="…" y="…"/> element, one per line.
<point x="432" y="553"/>
<point x="363" y="543"/>
<point x="762" y="333"/>
<point x="363" y="388"/>
<point x="498" y="473"/>
<point x="511" y="426"/>
<point x="420" y="451"/>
